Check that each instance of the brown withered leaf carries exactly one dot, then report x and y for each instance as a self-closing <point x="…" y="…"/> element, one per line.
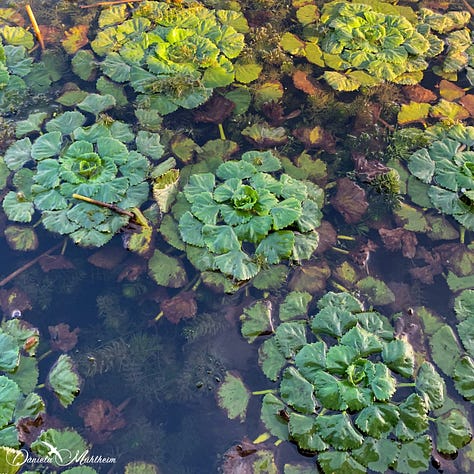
<point x="240" y="459"/>
<point x="215" y="110"/>
<point x="316" y="137"/>
<point x="350" y="200"/>
<point x="327" y="237"/>
<point x="181" y="306"/>
<point x="434" y="266"/>
<point x="101" y="419"/>
<point x="62" y="338"/>
<point x="55" y="262"/>
<point x="275" y="113"/>
<point x="108" y="257"/>
<point x="51" y="35"/>
<point x="399" y="239"/>
<point x="303" y="83"/>
<point x="468" y="103"/>
<point x="133" y="268"/>
<point x="14" y="299"/>
<point x="368" y="170"/>
<point x="417" y="93"/>
<point x="29" y="429"/>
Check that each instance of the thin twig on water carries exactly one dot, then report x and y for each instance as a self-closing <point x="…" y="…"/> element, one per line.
<point x="28" y="265"/>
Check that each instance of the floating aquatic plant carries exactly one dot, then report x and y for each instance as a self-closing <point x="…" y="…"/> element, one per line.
<point x="20" y="404"/>
<point x="338" y="394"/>
<point x="365" y="44"/>
<point x="70" y="159"/>
<point x="172" y="55"/>
<point x="447" y="165"/>
<point x="248" y="215"/>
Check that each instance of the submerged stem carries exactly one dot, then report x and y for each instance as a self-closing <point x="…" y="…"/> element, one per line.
<point x="28" y="265"/>
<point x="221" y="131"/>
<point x="43" y="356"/>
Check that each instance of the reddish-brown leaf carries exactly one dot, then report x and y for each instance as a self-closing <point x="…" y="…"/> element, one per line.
<point x="181" y="306"/>
<point x="62" y="338"/>
<point x="350" y="200"/>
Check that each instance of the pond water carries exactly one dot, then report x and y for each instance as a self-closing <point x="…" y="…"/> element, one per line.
<point x="157" y="340"/>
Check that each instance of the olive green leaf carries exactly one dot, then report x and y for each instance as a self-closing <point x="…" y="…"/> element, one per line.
<point x="233" y="396"/>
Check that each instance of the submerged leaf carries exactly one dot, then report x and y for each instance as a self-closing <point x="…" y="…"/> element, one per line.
<point x="64" y="380"/>
<point x="233" y="396"/>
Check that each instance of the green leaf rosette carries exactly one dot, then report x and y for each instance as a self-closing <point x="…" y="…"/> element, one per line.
<point x="100" y="162"/>
<point x="447" y="165"/>
<point x="172" y="56"/>
<point x="349" y="390"/>
<point x="248" y="215"/>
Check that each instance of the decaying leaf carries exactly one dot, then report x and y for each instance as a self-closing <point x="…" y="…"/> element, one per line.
<point x="62" y="338"/>
<point x="350" y="200"/>
<point x="76" y="38"/>
<point x="14" y="299"/>
<point x="181" y="306"/>
<point x="101" y="419"/>
<point x="399" y="238"/>
<point x="107" y="257"/>
<point x="417" y="93"/>
<point x="303" y="83"/>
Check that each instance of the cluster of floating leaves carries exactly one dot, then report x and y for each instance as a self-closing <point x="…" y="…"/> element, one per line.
<point x="342" y="392"/>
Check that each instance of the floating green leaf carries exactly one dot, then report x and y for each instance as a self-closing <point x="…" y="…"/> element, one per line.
<point x="9" y="394"/>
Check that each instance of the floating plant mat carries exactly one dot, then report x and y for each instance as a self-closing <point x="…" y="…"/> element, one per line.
<point x="339" y="389"/>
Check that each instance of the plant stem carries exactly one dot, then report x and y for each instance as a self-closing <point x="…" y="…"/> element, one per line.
<point x="221" y="131"/>
<point x="337" y="249"/>
<point x="406" y="384"/>
<point x="158" y="316"/>
<point x="112" y="207"/>
<point x="263" y="437"/>
<point x="462" y="233"/>
<point x="264" y="392"/>
<point x="468" y="7"/>
<point x="106" y="4"/>
<point x="35" y="26"/>
<point x="27" y="265"/>
<point x="345" y="237"/>
<point x="41" y="385"/>
<point x="43" y="356"/>
<point x="339" y="287"/>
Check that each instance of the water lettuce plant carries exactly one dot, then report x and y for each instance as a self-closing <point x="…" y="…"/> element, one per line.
<point x="20" y="404"/>
<point x="348" y="390"/>
<point x="68" y="159"/>
<point x="447" y="165"/>
<point x="247" y="215"/>
<point x="171" y="55"/>
<point x="361" y="44"/>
